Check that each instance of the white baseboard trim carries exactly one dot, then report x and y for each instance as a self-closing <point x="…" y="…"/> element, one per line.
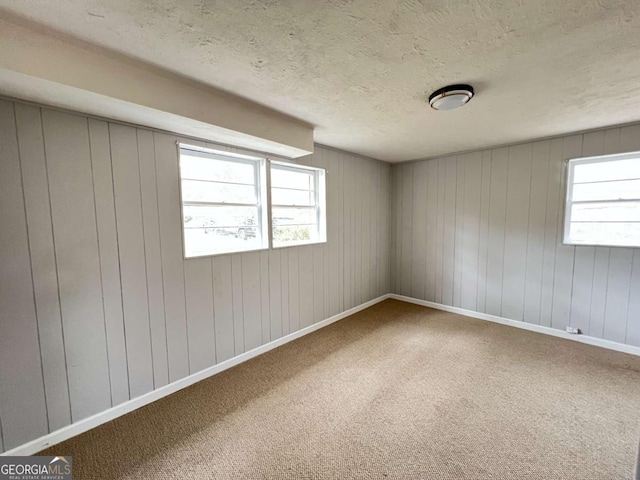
<point x="599" y="342"/>
<point x="86" y="424"/>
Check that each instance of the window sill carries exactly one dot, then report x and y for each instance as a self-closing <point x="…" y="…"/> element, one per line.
<point x="234" y="252"/>
<point x="300" y="244"/>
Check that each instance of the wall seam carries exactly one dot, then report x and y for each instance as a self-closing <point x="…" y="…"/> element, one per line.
<point x="33" y="285"/>
<point x="55" y="261"/>
<point x="115" y="211"/>
<point x="144" y="249"/>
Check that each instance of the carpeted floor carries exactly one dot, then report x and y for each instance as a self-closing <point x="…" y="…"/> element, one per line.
<point x="396" y="391"/>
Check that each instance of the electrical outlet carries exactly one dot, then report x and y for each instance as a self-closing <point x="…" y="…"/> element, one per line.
<point x="573" y="330"/>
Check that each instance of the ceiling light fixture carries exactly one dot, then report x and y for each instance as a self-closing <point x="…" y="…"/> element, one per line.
<point x="453" y="96"/>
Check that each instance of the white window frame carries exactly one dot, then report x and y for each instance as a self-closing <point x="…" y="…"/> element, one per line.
<point x="571" y="164"/>
<point x="260" y="175"/>
<point x="320" y="201"/>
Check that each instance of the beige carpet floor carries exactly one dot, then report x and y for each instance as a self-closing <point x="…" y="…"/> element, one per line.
<point x="396" y="391"/>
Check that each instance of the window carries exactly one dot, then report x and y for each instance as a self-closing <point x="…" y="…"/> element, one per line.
<point x="298" y="202"/>
<point x="603" y="201"/>
<point x="223" y="202"/>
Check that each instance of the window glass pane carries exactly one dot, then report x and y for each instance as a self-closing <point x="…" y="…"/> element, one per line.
<point x="606" y="212"/>
<point x="284" y="196"/>
<point x="606" y="170"/>
<point x="213" y="169"/>
<point x="625" y="189"/>
<point x="294" y="216"/>
<point x="219" y="216"/>
<point x="199" y="191"/>
<point x="618" y="234"/>
<point x="299" y="179"/>
<point x="219" y="229"/>
<point x="284" y="235"/>
<point x="221" y="200"/>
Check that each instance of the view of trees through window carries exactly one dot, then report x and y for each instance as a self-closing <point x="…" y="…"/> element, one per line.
<point x="294" y="199"/>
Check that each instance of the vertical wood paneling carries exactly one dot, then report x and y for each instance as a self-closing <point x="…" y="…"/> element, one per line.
<point x="405" y="235"/>
<point x="101" y="304"/>
<point x="332" y="252"/>
<point x="265" y="307"/>
<point x="336" y="235"/>
<point x="317" y="253"/>
<point x="497" y="212"/>
<point x="365" y="232"/>
<point x="503" y="247"/>
<point x="326" y="247"/>
<point x="376" y="233"/>
<point x="346" y="232"/>
<point x="22" y="395"/>
<point x="109" y="260"/>
<point x="483" y="242"/>
<point x="133" y="273"/>
<point x="170" y="217"/>
<point x="516" y="231"/>
<point x="550" y="231"/>
<point x="43" y="263"/>
<point x="618" y="288"/>
<point x="580" y="309"/>
<point x="440" y="230"/>
<point x="419" y="231"/>
<point x="535" y="235"/>
<point x="294" y="290"/>
<point x="356" y="236"/>
<point x="275" y="294"/>
<point x="449" y="233"/>
<point x="471" y="230"/>
<point x="238" y="308"/>
<point x="76" y="246"/>
<point x="199" y="298"/>
<point x="284" y="289"/>
<point x="251" y="300"/>
<point x="565" y="254"/>
<point x="458" y="233"/>
<point x="599" y="292"/>
<point x="633" y="315"/>
<point x="223" y="307"/>
<point x="397" y="267"/>
<point x="305" y="277"/>
<point x="153" y="256"/>
<point x="446" y="229"/>
<point x="431" y="219"/>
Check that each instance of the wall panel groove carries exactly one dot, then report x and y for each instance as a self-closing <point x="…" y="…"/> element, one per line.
<point x="501" y="251"/>
<point x="120" y="311"/>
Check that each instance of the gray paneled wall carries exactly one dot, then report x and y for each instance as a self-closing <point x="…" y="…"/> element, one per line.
<point x="97" y="304"/>
<point x="482" y="231"/>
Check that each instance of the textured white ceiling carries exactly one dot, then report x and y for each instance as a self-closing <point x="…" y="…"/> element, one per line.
<point x="361" y="70"/>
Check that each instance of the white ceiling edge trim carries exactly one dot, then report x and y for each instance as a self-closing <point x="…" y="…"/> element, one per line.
<point x="38" y="66"/>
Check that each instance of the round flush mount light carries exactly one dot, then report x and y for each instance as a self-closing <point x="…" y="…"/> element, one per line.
<point x="453" y="96"/>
